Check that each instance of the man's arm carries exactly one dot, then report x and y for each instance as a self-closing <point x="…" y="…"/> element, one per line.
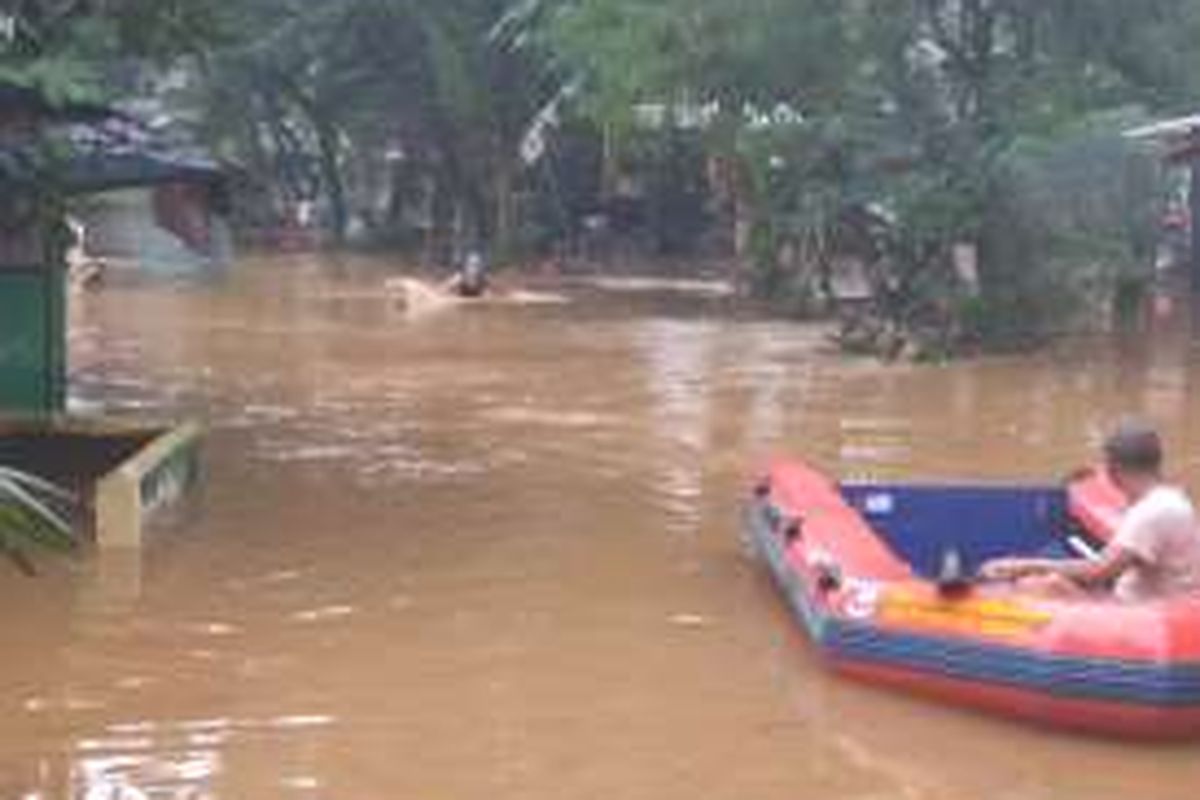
<point x="1113" y="561"/>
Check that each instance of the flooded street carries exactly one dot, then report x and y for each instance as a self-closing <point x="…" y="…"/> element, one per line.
<point x="491" y="552"/>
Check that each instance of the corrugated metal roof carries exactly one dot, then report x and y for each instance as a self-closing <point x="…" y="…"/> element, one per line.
<point x="106" y="149"/>
<point x="102" y="170"/>
<point x="1179" y="126"/>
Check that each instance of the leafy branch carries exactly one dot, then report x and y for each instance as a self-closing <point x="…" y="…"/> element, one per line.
<point x="34" y="515"/>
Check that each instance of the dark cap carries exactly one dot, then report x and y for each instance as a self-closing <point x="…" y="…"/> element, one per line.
<point x="1134" y="446"/>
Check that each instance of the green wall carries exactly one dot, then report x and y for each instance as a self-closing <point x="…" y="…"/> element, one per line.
<point x="32" y="340"/>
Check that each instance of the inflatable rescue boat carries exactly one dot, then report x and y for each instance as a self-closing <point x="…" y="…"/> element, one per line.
<point x="879" y="576"/>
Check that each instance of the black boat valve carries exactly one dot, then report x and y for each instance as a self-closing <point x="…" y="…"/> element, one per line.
<point x="952" y="577"/>
<point x="829" y="577"/>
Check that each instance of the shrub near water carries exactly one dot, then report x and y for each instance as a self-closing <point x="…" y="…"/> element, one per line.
<point x="1065" y="232"/>
<point x="1072" y="230"/>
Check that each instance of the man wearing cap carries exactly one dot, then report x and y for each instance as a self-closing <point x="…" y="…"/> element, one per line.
<point x="1156" y="550"/>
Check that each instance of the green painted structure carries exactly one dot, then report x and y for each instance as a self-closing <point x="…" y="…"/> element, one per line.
<point x="33" y="347"/>
<point x="33" y="330"/>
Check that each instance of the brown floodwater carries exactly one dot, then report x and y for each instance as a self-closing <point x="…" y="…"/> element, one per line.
<point x="492" y="552"/>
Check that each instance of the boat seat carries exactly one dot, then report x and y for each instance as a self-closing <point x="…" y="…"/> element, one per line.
<point x="921" y="523"/>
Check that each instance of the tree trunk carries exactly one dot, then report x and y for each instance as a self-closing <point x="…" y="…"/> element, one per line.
<point x="326" y="132"/>
<point x="1194" y="207"/>
<point x="440" y="245"/>
<point x="505" y="210"/>
<point x="331" y="176"/>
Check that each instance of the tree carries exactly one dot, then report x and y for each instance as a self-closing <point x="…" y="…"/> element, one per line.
<point x="440" y="94"/>
<point x="922" y="110"/>
<point x="66" y="48"/>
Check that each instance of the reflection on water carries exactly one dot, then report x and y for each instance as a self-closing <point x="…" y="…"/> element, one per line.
<point x="678" y="363"/>
<point x="491" y="552"/>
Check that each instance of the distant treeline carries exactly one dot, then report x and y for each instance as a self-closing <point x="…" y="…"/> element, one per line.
<point x="947" y="174"/>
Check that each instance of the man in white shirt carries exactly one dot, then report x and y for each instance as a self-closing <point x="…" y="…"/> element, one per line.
<point x="1156" y="550"/>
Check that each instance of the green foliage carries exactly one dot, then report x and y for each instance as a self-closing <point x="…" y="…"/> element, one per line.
<point x="313" y="99"/>
<point x="66" y="50"/>
<point x="988" y="123"/>
<point x="959" y="119"/>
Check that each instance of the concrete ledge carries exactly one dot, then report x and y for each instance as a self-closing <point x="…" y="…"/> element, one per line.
<point x="124" y="472"/>
<point x="157" y="476"/>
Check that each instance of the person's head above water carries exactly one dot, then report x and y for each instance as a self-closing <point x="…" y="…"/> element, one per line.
<point x="1133" y="452"/>
<point x="472" y="275"/>
<point x="473" y="264"/>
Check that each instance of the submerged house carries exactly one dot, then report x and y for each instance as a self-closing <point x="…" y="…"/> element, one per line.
<point x="1178" y="144"/>
<point x="144" y="207"/>
<point x="143" y="204"/>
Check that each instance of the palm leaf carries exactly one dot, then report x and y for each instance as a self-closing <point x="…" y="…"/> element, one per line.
<point x="34" y="515"/>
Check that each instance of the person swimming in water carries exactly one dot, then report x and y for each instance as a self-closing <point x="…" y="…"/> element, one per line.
<point x="471" y="280"/>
